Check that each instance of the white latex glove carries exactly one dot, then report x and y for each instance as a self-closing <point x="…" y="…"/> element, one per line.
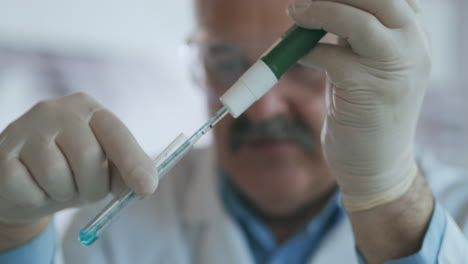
<point x="61" y="154"/>
<point x="378" y="82"/>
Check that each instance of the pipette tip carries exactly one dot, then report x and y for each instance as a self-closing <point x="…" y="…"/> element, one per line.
<point x="87" y="238"/>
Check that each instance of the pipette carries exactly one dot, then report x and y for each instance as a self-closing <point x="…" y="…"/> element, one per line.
<point x="250" y="87"/>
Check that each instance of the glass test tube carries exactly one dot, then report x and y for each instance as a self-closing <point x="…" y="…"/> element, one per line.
<point x="164" y="163"/>
<point x="127" y="197"/>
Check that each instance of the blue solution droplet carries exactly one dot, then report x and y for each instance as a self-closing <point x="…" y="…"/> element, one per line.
<point x="87" y="238"/>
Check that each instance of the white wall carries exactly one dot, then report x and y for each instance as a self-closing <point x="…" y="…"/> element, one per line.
<point x="144" y="27"/>
<point x="135" y="35"/>
<point x="443" y="127"/>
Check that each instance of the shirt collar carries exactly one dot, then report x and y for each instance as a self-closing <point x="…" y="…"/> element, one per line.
<point x="255" y="229"/>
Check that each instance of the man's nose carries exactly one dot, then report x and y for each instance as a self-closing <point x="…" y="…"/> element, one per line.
<point x="272" y="104"/>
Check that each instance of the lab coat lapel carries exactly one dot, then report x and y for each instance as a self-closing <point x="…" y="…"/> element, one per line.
<point x="337" y="246"/>
<point x="211" y="234"/>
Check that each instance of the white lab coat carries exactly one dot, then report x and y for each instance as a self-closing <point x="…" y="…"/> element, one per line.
<point x="184" y="222"/>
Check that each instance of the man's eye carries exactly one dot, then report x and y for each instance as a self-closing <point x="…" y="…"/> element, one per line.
<point x="230" y="66"/>
<point x="224" y="58"/>
<point x="225" y="64"/>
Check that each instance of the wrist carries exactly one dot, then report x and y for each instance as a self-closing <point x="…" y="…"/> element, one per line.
<point x="15" y="235"/>
<point x="396" y="229"/>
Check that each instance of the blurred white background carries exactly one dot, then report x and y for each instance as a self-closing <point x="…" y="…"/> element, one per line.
<point x="126" y="54"/>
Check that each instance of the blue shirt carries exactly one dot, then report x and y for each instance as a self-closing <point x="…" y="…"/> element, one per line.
<point x="264" y="247"/>
<point x="301" y="246"/>
<point x="40" y="250"/>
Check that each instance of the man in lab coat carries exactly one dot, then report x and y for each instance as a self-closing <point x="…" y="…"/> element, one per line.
<point x="272" y="190"/>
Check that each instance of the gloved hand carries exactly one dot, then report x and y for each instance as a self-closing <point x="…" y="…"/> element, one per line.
<point x="62" y="153"/>
<point x="378" y="80"/>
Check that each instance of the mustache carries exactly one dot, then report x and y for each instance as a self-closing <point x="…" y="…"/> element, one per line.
<point x="277" y="128"/>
